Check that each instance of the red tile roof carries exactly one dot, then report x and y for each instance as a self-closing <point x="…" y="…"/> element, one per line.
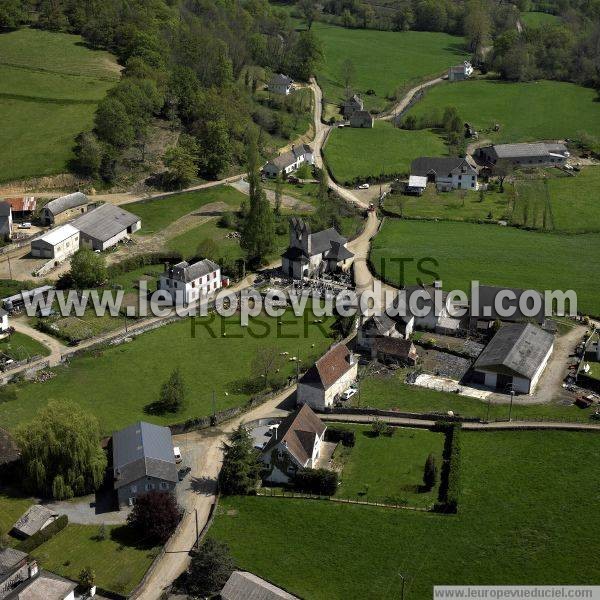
<point x="330" y="367"/>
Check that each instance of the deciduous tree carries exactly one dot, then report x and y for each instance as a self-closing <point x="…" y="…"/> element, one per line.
<point x="209" y="569"/>
<point x="155" y="515"/>
<point x="88" y="269"/>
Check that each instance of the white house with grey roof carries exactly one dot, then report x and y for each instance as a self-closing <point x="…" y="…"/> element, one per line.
<point x="514" y="359"/>
<point x="288" y="162"/>
<point x="294" y="445"/>
<point x="58" y="244"/>
<point x="452" y="173"/>
<point x="312" y="254"/>
<point x="187" y="283"/>
<point x="280" y="84"/>
<point x="537" y="154"/>
<point x="61" y="209"/>
<point x="105" y="226"/>
<point x="143" y="461"/>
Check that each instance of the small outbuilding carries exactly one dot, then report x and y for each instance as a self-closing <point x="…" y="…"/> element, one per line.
<point x="396" y="350"/>
<point x="66" y="207"/>
<point x="460" y="72"/>
<point x="23" y="207"/>
<point x="514" y="359"/>
<point x="416" y="185"/>
<point x="242" y="585"/>
<point x="105" y="226"/>
<point x="362" y="119"/>
<point x="57" y="244"/>
<point x="36" y="518"/>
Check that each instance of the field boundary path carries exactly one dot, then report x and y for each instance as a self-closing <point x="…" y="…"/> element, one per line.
<point x="397" y="109"/>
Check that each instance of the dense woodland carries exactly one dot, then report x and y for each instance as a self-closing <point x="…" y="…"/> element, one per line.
<point x="195" y="63"/>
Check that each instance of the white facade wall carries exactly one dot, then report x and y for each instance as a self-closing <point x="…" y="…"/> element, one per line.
<point x="538" y="373"/>
<point x="185" y="293"/>
<point x="59" y="252"/>
<point x="457" y="182"/>
<point x="3" y="322"/>
<point x="280" y="88"/>
<point x="320" y="399"/>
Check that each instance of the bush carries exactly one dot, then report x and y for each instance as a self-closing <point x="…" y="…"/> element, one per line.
<point x="155" y="516"/>
<point x="37" y="539"/>
<point x="348" y="438"/>
<point x="141" y="260"/>
<point x="316" y="481"/>
<point x="449" y="493"/>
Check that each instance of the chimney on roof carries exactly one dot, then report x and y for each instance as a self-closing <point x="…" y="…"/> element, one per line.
<point x="351" y="358"/>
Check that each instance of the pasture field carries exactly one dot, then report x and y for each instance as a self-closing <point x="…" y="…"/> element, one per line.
<point x="207" y="363"/>
<point x="344" y="551"/>
<point x="354" y="154"/>
<point x="461" y="252"/>
<point x="521" y="109"/>
<point x="391" y="393"/>
<point x="393" y="60"/>
<point x="538" y="19"/>
<point x="50" y="84"/>
<point x="158" y="213"/>
<point x="388" y="468"/>
<point x="119" y="561"/>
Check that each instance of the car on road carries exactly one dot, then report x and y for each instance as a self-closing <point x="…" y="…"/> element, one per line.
<point x="349" y="393"/>
<point x="364" y="186"/>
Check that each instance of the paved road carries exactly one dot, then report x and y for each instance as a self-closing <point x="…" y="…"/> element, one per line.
<point x="207" y="457"/>
<point x="56" y="347"/>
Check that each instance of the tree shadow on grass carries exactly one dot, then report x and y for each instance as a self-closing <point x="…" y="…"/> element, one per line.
<point x="129" y="537"/>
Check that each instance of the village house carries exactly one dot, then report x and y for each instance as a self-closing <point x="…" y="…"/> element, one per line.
<point x="57" y="244"/>
<point x="105" y="226"/>
<point x="538" y="154"/>
<point x="280" y="84"/>
<point x="15" y="568"/>
<point x="314" y="253"/>
<point x="35" y="518"/>
<point x="483" y="311"/>
<point x="362" y="119"/>
<point x="187" y="283"/>
<point x="43" y="585"/>
<point x="4" y="326"/>
<point x="460" y="72"/>
<point x="6" y="221"/>
<point x="514" y="359"/>
<point x="64" y="208"/>
<point x="143" y="460"/>
<point x="23" y="208"/>
<point x="288" y="162"/>
<point x="452" y="173"/>
<point x="242" y="585"/>
<point x="394" y="350"/>
<point x="295" y="444"/>
<point x="374" y="327"/>
<point x="328" y="378"/>
<point x="352" y="105"/>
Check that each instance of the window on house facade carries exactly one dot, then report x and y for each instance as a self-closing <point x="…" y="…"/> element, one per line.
<point x="134" y="489"/>
<point x="164" y="485"/>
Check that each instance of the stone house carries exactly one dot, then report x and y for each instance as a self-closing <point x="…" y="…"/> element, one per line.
<point x="288" y="162"/>
<point x="352" y="105"/>
<point x="64" y="208"/>
<point x="460" y="72"/>
<point x="362" y="119"/>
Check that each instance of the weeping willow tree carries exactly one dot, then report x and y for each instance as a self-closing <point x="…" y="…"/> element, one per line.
<point x="61" y="452"/>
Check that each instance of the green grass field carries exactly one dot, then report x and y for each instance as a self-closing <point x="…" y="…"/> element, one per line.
<point x="364" y="153"/>
<point x="118" y="561"/>
<point x="390" y="393"/>
<point x="50" y="84"/>
<point x="389" y="468"/>
<point x="521" y="109"/>
<point x="144" y="364"/>
<point x="537" y="19"/>
<point x="12" y="505"/>
<point x="507" y="531"/>
<point x="157" y="213"/>
<point x="492" y="255"/>
<point x="383" y="60"/>
<point x="20" y="347"/>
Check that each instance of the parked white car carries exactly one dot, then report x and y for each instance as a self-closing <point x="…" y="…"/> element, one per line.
<point x="25" y="225"/>
<point x="349" y="393"/>
<point x="177" y="453"/>
<point x="364" y="186"/>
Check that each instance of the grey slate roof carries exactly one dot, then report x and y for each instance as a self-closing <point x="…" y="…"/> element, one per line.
<point x="280" y="79"/>
<point x="63" y="203"/>
<point x="242" y="585"/>
<point x="183" y="271"/>
<point x="143" y="449"/>
<point x="517" y="349"/>
<point x="5" y="209"/>
<point x="527" y="150"/>
<point x="104" y="222"/>
<point x="323" y="240"/>
<point x="487" y="299"/>
<point x="34" y="519"/>
<point x="291" y="156"/>
<point x="439" y="165"/>
<point x="10" y="559"/>
<point x="379" y="324"/>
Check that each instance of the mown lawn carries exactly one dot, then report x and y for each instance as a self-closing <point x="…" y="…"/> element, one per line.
<point x="12" y="505"/>
<point x="384" y="61"/>
<point x="390" y="393"/>
<point x="538" y="19"/>
<point x="388" y="468"/>
<point x="118" y="561"/>
<point x="116" y="384"/>
<point x="524" y="517"/>
<point x="353" y="154"/>
<point x="50" y="84"/>
<point x="459" y="253"/>
<point x="20" y="347"/>
<point x="157" y="213"/>
<point x="521" y="109"/>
